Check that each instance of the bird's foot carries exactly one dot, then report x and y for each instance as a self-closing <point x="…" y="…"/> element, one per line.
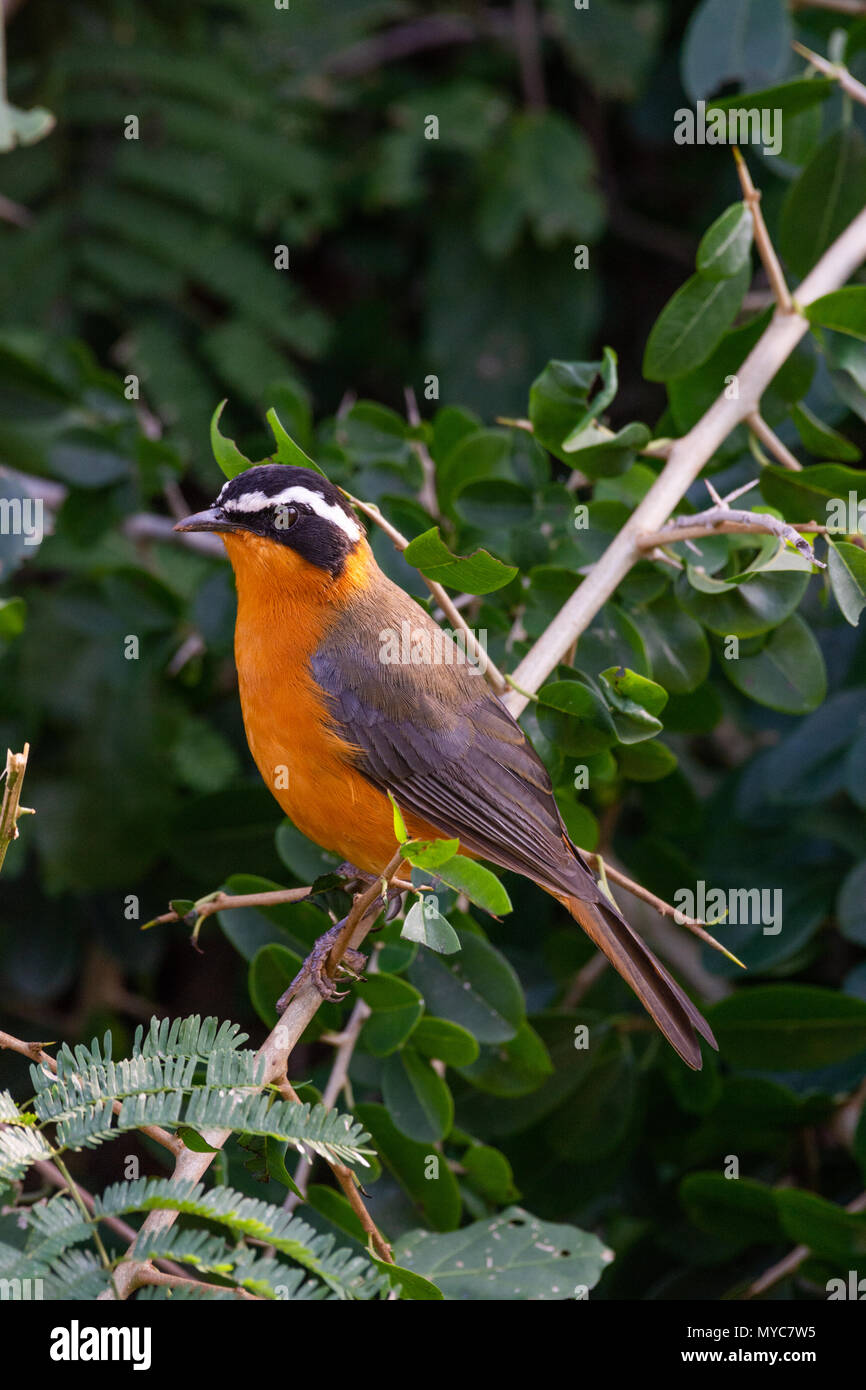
<point x="357" y="878"/>
<point x="314" y="968"/>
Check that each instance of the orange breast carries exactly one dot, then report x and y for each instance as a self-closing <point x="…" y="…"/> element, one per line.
<point x="304" y="763"/>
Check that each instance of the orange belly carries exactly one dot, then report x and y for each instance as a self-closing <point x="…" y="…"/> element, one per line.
<point x="305" y="764"/>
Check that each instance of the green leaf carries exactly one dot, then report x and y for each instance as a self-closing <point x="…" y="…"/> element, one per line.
<point x="12" y="615"/>
<point x="788" y="1027"/>
<point x="791" y="98"/>
<point x="478" y="573"/>
<point x="511" y="1068"/>
<point x="599" y="454"/>
<point x="425" y="924"/>
<point x="825" y="198"/>
<point x="194" y="1140"/>
<point x="725" y="247"/>
<point x="447" y="1042"/>
<point x="851" y="905"/>
<point x="634" y="689"/>
<point x="225" y="451"/>
<point x="847" y="567"/>
<point x="489" y="1172"/>
<point x="418" y="1100"/>
<point x="411" y="1286"/>
<point x="477" y="989"/>
<point x="430" y="854"/>
<point x="822" y="441"/>
<point x="692" y="323"/>
<point x="396" y="1008"/>
<point x="645" y="762"/>
<point x="819" y="492"/>
<point x="749" y="608"/>
<point x="558" y="398"/>
<point x="401" y="834"/>
<point x="512" y="1256"/>
<point x="431" y="1186"/>
<point x="741" y="41"/>
<point x="479" y="884"/>
<point x="788" y="673"/>
<point x="828" y="1230"/>
<point x="574" y="717"/>
<point x="736" y="1209"/>
<point x="676" y="645"/>
<point x="599" y="403"/>
<point x="843" y="310"/>
<point x="287" y="450"/>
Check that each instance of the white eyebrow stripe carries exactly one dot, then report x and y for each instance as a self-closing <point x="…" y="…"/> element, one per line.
<point x="257" y="501"/>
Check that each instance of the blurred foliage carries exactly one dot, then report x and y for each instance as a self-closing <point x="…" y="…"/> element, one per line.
<point x="144" y="290"/>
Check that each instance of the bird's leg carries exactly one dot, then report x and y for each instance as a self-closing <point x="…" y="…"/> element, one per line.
<point x="352" y="962"/>
<point x="314" y="968"/>
<point x="359" y="877"/>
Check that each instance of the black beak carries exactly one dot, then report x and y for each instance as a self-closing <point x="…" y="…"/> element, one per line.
<point x="211" y="520"/>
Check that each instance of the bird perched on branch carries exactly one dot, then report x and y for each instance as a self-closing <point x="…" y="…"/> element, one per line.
<point x="324" y="700"/>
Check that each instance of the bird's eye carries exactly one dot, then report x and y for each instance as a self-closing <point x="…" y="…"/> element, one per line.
<point x="285" y="516"/>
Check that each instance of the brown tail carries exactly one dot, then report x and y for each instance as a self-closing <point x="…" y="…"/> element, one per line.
<point x="660" y="995"/>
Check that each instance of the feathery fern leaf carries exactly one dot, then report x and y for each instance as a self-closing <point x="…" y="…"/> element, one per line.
<point x="211" y="1254"/>
<point x="20" y="1145"/>
<point x="187" y="1037"/>
<point x="344" y="1270"/>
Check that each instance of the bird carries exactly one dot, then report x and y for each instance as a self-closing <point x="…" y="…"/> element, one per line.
<point x="337" y="726"/>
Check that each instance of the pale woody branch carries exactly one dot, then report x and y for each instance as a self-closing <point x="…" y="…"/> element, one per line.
<point x="688" y="456"/>
<point x="274" y="1052"/>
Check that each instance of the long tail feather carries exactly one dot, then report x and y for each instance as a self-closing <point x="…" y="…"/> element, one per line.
<point x="659" y="993"/>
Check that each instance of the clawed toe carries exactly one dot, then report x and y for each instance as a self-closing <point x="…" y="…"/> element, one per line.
<point x="314" y="969"/>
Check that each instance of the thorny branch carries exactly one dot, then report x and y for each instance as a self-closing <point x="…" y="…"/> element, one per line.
<point x="10" y="807"/>
<point x="274" y="1052"/>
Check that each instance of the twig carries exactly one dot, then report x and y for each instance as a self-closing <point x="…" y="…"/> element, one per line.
<point x="10" y="807"/>
<point x="274" y="1054"/>
<point x="147" y="1274"/>
<point x="694" y="924"/>
<point x="337" y="1079"/>
<point x="687" y="458"/>
<point x="491" y="673"/>
<point x="837" y="71"/>
<point x="792" y="1261"/>
<point x="529" y="54"/>
<point x="692" y="530"/>
<point x="766" y="249"/>
<point x="35" y="1051"/>
<point x="729" y="521"/>
<point x="840" y="6"/>
<point x="77" y="1198"/>
<point x="14" y="213"/>
<point x="427" y="496"/>
<point x="759" y="427"/>
<point x="224" y="902"/>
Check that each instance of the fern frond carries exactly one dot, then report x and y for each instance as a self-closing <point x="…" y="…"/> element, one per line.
<point x="193" y="1292"/>
<point x="77" y="1275"/>
<point x="20" y="1145"/>
<point x="187" y="1037"/>
<point x="53" y="1227"/>
<point x="210" y="1254"/>
<point x="345" y="1271"/>
<point x="321" y="1131"/>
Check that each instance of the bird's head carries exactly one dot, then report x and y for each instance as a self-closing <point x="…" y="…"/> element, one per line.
<point x="267" y="511"/>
